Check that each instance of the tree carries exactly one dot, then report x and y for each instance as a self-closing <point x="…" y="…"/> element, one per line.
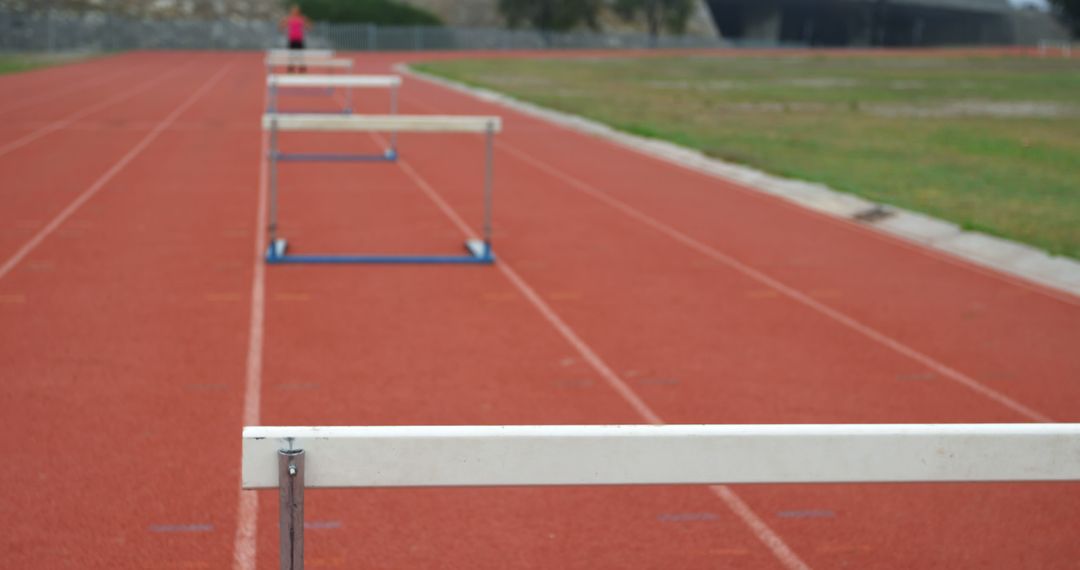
<point x="551" y="15"/>
<point x="1070" y="12"/>
<point x="385" y="12"/>
<point x="671" y="15"/>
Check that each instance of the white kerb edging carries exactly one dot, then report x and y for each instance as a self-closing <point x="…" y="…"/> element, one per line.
<point x="361" y="81"/>
<point x="382" y="123"/>
<point x="673" y="454"/>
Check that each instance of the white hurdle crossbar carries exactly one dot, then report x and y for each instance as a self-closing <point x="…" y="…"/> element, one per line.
<point x="274" y="82"/>
<point x="307" y="61"/>
<point x="313" y="53"/>
<point x="479" y="249"/>
<point x="291" y="459"/>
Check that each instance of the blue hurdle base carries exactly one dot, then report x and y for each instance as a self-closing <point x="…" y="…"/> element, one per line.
<point x="388" y="156"/>
<point x="479" y="254"/>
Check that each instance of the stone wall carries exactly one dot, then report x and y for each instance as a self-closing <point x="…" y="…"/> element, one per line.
<point x="157" y="9"/>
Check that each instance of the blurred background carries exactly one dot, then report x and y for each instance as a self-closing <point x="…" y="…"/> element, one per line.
<point x="530" y="24"/>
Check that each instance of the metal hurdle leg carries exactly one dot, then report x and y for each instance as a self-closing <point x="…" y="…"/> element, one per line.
<point x="393" y="111"/>
<point x="489" y="183"/>
<point x="291" y="508"/>
<point x="481" y="248"/>
<point x="273" y="160"/>
<point x="349" y="93"/>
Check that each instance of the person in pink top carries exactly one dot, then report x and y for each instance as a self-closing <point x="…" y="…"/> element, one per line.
<point x="295" y="25"/>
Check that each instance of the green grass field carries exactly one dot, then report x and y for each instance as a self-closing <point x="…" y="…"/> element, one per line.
<point x="17" y="62"/>
<point x="992" y="143"/>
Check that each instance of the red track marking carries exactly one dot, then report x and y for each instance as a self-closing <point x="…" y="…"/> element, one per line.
<point x="105" y="178"/>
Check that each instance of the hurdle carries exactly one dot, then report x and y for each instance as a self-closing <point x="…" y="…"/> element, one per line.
<point x="292" y="459"/>
<point x="275" y="82"/>
<point x="307" y="61"/>
<point x="317" y="61"/>
<point x="479" y="251"/>
<point x="312" y="53"/>
<point x="1062" y="48"/>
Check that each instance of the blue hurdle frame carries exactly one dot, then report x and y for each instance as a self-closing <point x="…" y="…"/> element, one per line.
<point x="479" y="251"/>
<point x="389" y="155"/>
<point x="300" y="60"/>
<point x="272" y="102"/>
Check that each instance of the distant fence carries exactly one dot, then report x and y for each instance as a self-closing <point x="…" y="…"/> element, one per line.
<point x="44" y="31"/>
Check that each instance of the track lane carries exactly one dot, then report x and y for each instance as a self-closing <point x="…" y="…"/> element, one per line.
<point x="45" y="184"/>
<point x="78" y="83"/>
<point x="846" y="267"/>
<point x="44" y="114"/>
<point x="124" y="359"/>
<point x="57" y="81"/>
<point x="1039" y="502"/>
<point x="386" y="345"/>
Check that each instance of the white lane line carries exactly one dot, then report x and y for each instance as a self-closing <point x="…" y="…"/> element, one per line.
<point x="788" y="291"/>
<point x="124" y="95"/>
<point x="247" y="511"/>
<point x="65" y="91"/>
<point x="757" y="526"/>
<point x="94" y="188"/>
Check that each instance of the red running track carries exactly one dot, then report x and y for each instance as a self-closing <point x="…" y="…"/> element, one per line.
<point x="139" y="332"/>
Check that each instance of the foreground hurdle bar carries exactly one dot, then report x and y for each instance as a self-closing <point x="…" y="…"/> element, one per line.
<point x="275" y="82"/>
<point x="480" y="250"/>
<point x="292" y="458"/>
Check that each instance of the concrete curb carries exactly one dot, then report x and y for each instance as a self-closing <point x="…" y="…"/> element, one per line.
<point x="999" y="254"/>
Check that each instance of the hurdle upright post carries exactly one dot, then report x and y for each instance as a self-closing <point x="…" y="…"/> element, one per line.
<point x="393" y="111"/>
<point x="291" y="508"/>
<point x="489" y="183"/>
<point x="273" y="151"/>
<point x="272" y="96"/>
<point x="349" y="90"/>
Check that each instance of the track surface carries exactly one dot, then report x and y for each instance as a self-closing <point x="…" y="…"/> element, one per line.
<point x="139" y="332"/>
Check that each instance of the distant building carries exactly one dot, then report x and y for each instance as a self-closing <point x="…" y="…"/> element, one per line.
<point x="883" y="22"/>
